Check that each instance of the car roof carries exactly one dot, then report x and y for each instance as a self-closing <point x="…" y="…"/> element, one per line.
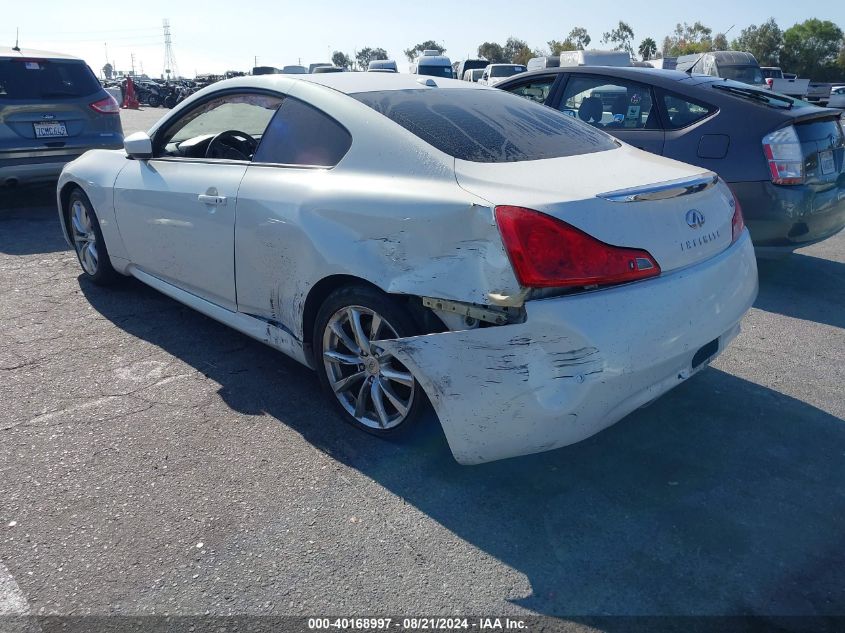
<point x="351" y="82"/>
<point x="27" y="53"/>
<point x="634" y="73"/>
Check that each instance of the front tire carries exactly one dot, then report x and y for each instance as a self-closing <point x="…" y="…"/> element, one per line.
<point x="373" y="390"/>
<point x="84" y="228"/>
<point x="154" y="101"/>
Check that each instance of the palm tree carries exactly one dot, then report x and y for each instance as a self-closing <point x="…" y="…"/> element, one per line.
<point x="648" y="48"/>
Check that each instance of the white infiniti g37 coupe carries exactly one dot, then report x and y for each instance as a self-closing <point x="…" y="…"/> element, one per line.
<point x="411" y="238"/>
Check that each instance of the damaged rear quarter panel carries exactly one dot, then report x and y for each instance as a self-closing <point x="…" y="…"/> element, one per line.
<point x="391" y="213"/>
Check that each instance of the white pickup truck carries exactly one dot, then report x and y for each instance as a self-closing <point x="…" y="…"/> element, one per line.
<point x="776" y="82"/>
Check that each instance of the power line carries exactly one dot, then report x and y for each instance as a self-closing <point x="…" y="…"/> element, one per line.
<point x="95" y="32"/>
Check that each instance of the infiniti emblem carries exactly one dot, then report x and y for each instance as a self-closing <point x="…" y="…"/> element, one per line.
<point x="48" y="116"/>
<point x="695" y="219"/>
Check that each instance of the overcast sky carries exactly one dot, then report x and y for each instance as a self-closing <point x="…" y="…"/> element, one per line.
<point x="219" y="35"/>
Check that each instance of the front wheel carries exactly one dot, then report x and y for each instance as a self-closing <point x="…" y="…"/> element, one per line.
<point x="154" y="101"/>
<point x="374" y="391"/>
<point x="88" y="240"/>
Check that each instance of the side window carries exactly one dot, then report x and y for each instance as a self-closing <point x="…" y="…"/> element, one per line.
<point x="243" y="117"/>
<point x="680" y="112"/>
<point x="300" y="134"/>
<point x="607" y="102"/>
<point x="536" y="90"/>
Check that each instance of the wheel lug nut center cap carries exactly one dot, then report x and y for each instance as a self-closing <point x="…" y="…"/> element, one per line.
<point x="372" y="365"/>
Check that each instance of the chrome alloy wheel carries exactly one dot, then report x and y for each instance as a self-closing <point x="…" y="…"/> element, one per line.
<point x="84" y="237"/>
<point x="372" y="385"/>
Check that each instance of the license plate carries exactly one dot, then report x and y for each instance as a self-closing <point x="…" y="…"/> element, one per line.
<point x="51" y="129"/>
<point x="826" y="161"/>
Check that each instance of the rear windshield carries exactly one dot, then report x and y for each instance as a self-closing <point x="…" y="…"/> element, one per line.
<point x="22" y="79"/>
<point x="487" y="126"/>
<point x="434" y="71"/>
<point x="506" y="71"/>
<point x="745" y="74"/>
<point x="472" y="64"/>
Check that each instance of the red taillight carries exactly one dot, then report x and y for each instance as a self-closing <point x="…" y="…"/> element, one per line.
<point x="106" y="106"/>
<point x="785" y="156"/>
<point x="547" y="252"/>
<point x="737" y="222"/>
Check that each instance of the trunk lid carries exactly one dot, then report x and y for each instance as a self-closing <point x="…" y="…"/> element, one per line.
<point x="625" y="197"/>
<point x="822" y="139"/>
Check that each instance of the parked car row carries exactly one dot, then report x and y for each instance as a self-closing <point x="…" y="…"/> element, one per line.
<point x="481" y="248"/>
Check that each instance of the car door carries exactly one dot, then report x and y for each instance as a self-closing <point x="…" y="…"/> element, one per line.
<point x="290" y="176"/>
<point x="620" y="107"/>
<point x="176" y="211"/>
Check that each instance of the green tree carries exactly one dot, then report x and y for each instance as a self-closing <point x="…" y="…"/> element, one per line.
<point x="580" y="38"/>
<point x="647" y="49"/>
<point x="366" y="55"/>
<point x="688" y="39"/>
<point x="492" y="52"/>
<point x="108" y="71"/>
<point x="720" y="42"/>
<point x="556" y="47"/>
<point x="413" y="53"/>
<point x="516" y="51"/>
<point x="341" y="59"/>
<point x="764" y="42"/>
<point x="621" y="37"/>
<point x="810" y="49"/>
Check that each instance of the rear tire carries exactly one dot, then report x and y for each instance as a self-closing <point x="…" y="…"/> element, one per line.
<point x="373" y="391"/>
<point x="84" y="230"/>
<point x="154" y="101"/>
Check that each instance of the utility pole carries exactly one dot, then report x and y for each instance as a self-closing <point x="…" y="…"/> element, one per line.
<point x="132" y="57"/>
<point x="169" y="57"/>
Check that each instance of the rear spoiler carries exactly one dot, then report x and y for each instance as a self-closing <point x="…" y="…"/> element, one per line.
<point x="663" y="190"/>
<point x="816" y="114"/>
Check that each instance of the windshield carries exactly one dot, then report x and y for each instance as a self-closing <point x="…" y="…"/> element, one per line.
<point x="745" y="74"/>
<point x="487" y="126"/>
<point x="506" y="71"/>
<point x="435" y="71"/>
<point x="39" y="79"/>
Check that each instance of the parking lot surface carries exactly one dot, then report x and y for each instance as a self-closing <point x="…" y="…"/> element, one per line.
<point x="154" y="461"/>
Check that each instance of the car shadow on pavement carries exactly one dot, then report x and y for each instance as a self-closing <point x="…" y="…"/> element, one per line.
<point x="28" y="221"/>
<point x="723" y="497"/>
<point x="803" y="287"/>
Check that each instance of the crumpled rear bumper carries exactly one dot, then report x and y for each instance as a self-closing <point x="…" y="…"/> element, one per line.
<point x="579" y="363"/>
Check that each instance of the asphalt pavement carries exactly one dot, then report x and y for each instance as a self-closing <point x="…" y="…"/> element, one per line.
<point x="153" y="461"/>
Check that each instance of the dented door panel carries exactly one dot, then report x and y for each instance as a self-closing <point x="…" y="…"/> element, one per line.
<point x="292" y="232"/>
<point x="578" y="363"/>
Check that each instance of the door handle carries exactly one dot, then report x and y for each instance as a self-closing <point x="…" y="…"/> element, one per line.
<point x="217" y="201"/>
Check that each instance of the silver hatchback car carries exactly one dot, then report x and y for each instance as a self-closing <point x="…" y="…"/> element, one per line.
<point x="52" y="110"/>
